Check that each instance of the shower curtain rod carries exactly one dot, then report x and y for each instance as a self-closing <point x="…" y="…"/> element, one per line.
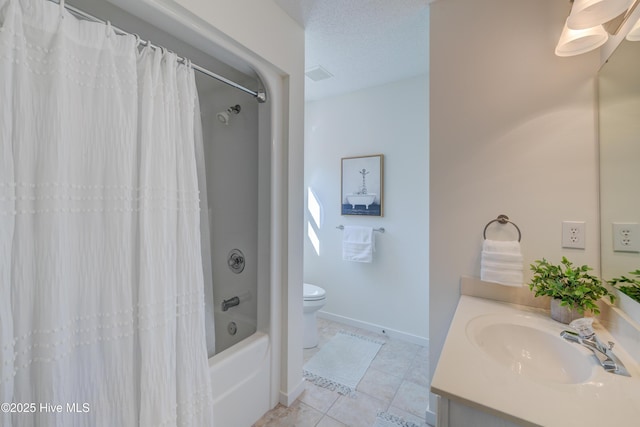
<point x="260" y="94"/>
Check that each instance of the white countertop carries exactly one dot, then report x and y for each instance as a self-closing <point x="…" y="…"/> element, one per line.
<point x="467" y="374"/>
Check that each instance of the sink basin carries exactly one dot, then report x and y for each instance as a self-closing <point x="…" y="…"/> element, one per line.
<point x="503" y="361"/>
<point x="527" y="350"/>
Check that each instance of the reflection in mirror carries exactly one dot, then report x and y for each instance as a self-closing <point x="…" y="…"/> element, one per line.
<point x="619" y="99"/>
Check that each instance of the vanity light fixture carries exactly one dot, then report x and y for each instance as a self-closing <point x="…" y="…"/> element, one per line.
<point x="575" y="42"/>
<point x="634" y="34"/>
<point x="590" y="13"/>
<point x="584" y="30"/>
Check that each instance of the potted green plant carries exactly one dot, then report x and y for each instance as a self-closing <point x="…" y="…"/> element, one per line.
<point x="573" y="290"/>
<point x="630" y="287"/>
<point x="628" y="294"/>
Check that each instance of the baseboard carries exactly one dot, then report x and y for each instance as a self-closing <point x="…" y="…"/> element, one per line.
<point x="288" y="399"/>
<point x="375" y="328"/>
<point x="430" y="418"/>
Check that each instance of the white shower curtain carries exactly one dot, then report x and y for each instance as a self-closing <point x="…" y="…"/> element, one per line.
<point x="101" y="277"/>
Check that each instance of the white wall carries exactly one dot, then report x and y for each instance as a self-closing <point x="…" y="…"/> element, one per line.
<point x="513" y="132"/>
<point x="393" y="291"/>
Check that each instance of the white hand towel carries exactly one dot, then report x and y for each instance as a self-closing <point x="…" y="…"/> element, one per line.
<point x="501" y="262"/>
<point x="509" y="260"/>
<point x="502" y="246"/>
<point x="357" y="244"/>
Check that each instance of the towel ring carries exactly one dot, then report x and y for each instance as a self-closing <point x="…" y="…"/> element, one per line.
<point x="502" y="219"/>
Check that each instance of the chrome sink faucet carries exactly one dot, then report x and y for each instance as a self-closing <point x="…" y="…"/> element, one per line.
<point x="586" y="337"/>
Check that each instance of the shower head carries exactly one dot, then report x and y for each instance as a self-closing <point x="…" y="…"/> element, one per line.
<point x="224" y="116"/>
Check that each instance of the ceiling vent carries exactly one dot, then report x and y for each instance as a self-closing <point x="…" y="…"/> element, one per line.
<point x="318" y="73"/>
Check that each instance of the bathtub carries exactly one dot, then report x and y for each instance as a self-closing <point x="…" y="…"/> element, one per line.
<point x="241" y="375"/>
<point x="361" y="199"/>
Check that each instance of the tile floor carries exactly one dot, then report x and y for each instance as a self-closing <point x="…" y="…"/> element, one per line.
<point x="397" y="381"/>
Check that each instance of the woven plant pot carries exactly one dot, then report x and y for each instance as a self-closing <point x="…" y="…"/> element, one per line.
<point x="563" y="314"/>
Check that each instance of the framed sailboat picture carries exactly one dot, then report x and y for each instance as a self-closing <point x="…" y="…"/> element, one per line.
<point x="362" y="182"/>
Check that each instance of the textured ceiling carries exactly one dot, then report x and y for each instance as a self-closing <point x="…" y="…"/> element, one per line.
<point x="363" y="43"/>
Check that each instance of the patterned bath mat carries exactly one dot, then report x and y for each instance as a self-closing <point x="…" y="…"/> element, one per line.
<point x="385" y="419"/>
<point x="342" y="362"/>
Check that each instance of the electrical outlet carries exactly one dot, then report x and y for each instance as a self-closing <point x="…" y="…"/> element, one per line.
<point x="573" y="234"/>
<point x="626" y="237"/>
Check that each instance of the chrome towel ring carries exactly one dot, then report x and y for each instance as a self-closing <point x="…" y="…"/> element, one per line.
<point x="502" y="219"/>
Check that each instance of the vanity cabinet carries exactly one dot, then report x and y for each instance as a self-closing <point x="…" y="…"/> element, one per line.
<point x="456" y="414"/>
<point x="505" y="364"/>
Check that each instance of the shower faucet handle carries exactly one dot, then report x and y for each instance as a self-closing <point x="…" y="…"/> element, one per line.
<point x="236" y="261"/>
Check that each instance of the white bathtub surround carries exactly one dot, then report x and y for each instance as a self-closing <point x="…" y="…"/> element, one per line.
<point x="240" y="381"/>
<point x="99" y="226"/>
<point x="467" y="376"/>
<point x="232" y="163"/>
<point x="231" y="328"/>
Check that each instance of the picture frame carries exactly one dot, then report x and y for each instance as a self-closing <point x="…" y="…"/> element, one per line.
<point x="362" y="182"/>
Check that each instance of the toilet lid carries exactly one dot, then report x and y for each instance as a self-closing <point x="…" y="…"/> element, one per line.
<point x="313" y="292"/>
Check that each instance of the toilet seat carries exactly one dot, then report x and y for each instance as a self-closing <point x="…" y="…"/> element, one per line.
<point x="313" y="292"/>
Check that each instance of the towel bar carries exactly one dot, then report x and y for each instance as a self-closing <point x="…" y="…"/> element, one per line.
<point x="502" y="219"/>
<point x="380" y="230"/>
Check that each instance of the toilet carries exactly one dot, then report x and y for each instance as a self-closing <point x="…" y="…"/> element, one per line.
<point x="314" y="300"/>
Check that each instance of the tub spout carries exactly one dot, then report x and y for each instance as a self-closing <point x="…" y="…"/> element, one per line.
<point x="231" y="302"/>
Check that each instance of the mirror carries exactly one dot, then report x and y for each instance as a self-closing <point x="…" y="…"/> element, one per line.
<point x="619" y="110"/>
